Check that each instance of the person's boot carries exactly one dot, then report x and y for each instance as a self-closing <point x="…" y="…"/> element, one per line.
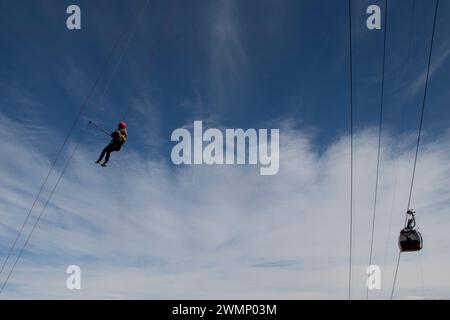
<point x="104" y="164"/>
<point x="98" y="161"/>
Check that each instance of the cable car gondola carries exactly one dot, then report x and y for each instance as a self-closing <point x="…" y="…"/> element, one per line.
<point x="410" y="239"/>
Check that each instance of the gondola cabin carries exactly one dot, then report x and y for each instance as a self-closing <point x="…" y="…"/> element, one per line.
<point x="410" y="240"/>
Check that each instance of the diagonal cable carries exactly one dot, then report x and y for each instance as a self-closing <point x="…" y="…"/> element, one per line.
<point x="418" y="137"/>
<point x="379" y="141"/>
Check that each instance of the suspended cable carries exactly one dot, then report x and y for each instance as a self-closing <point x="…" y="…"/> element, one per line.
<point x="124" y="51"/>
<point x="418" y="137"/>
<point x="149" y="64"/>
<point x="38" y="219"/>
<point x="351" y="152"/>
<point x="406" y="76"/>
<point x="421" y="274"/>
<point x="69" y="133"/>
<point x="379" y="140"/>
<point x="41" y="213"/>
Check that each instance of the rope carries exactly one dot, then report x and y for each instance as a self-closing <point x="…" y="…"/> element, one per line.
<point x="99" y="128"/>
<point x="148" y="65"/>
<point x="379" y="141"/>
<point x="351" y="152"/>
<point x="69" y="133"/>
<point x="71" y="130"/>
<point x="418" y="136"/>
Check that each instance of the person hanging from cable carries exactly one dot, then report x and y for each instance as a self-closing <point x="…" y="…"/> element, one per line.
<point x="119" y="137"/>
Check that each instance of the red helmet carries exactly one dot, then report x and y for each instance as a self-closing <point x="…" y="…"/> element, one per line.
<point x="122" y="124"/>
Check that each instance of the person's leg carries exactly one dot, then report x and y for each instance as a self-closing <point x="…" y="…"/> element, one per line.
<point x="107" y="158"/>
<point x="110" y="148"/>
<point x="104" y="151"/>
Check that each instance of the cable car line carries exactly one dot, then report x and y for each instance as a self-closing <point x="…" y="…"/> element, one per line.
<point x="69" y="133"/>
<point x="43" y="209"/>
<point x="410" y="215"/>
<point x="407" y="68"/>
<point x="421" y="274"/>
<point x="168" y="20"/>
<point x="38" y="219"/>
<point x="410" y="212"/>
<point x="82" y="109"/>
<point x="351" y="151"/>
<point x="124" y="51"/>
<point x="379" y="140"/>
<point x="146" y="67"/>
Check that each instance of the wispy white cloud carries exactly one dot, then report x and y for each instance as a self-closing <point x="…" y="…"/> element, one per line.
<point x="438" y="60"/>
<point x="143" y="229"/>
<point x="228" y="57"/>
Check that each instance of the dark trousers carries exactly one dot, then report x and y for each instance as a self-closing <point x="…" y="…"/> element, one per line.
<point x="107" y="151"/>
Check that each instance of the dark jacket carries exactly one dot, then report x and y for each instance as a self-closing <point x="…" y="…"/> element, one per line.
<point x="119" y="137"/>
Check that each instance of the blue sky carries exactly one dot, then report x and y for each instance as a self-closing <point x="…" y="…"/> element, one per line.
<point x="242" y="64"/>
<point x="232" y="64"/>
